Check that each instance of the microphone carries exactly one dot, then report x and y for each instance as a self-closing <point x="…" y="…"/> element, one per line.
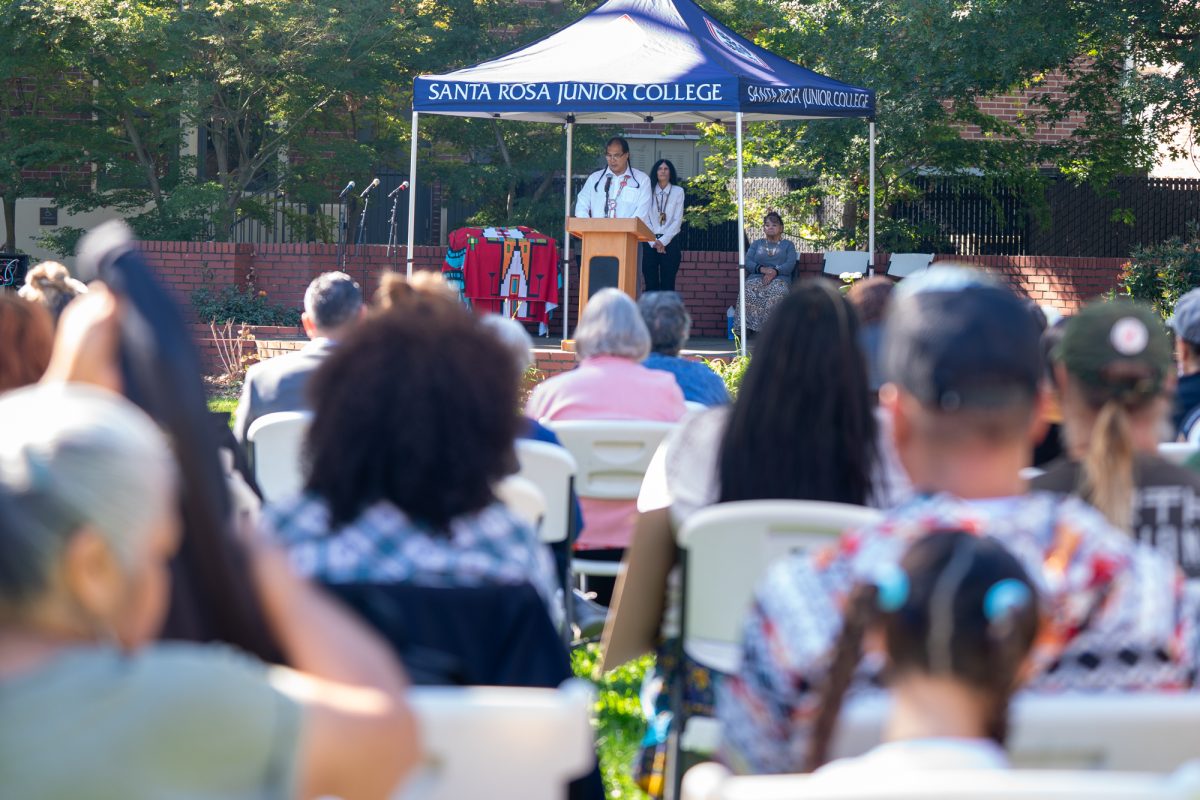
<point x="370" y="186"/>
<point x="398" y="190"/>
<point x="346" y="191"/>
<point x="607" y="185"/>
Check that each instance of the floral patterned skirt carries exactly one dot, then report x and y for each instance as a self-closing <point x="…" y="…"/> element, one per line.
<point x="761" y="300"/>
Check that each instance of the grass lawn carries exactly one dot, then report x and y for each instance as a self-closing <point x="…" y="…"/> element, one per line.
<point x="619" y="721"/>
<point x="223" y="404"/>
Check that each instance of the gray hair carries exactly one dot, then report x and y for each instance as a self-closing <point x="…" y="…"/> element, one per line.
<point x="612" y="326"/>
<point x="332" y="299"/>
<point x="667" y="319"/>
<point x="513" y="336"/>
<point x="74" y="455"/>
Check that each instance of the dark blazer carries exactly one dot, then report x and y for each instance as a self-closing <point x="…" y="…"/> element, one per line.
<point x="279" y="384"/>
<point x="478" y="636"/>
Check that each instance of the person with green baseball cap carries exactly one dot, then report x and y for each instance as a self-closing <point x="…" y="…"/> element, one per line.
<point x="1114" y="371"/>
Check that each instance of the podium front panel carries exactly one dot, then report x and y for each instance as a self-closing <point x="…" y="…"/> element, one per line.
<point x="604" y="273"/>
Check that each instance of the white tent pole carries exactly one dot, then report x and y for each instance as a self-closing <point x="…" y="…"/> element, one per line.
<point x="741" y="236"/>
<point x="871" y="203"/>
<point x="566" y="264"/>
<point x="412" y="193"/>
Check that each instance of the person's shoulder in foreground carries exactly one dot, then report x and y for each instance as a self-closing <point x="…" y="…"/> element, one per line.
<point x="195" y="720"/>
<point x="698" y="383"/>
<point x="1115" y="617"/>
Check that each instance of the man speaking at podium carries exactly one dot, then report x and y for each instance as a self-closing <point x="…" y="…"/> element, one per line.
<point x="618" y="190"/>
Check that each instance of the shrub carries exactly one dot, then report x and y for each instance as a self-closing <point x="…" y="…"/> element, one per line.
<point x="247" y="306"/>
<point x="1161" y="273"/>
<point x="731" y="372"/>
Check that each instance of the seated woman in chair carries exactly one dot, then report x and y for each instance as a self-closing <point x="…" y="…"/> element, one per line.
<point x="413" y="424"/>
<point x="801" y="428"/>
<point x="770" y="263"/>
<point x="92" y="706"/>
<point x="610" y="383"/>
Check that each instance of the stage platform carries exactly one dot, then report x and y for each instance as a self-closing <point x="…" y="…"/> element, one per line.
<point x="550" y="358"/>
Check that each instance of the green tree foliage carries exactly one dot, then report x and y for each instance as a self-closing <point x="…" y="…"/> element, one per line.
<point x="930" y="61"/>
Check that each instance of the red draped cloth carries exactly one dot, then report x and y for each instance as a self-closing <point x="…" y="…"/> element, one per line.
<point x="495" y="265"/>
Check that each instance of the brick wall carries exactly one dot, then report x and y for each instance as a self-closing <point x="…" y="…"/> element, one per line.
<point x="707" y="280"/>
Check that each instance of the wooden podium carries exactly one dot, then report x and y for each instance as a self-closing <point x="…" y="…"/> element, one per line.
<point x="609" y="258"/>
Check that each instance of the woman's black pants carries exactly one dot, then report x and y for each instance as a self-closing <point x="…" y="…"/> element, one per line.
<point x="658" y="269"/>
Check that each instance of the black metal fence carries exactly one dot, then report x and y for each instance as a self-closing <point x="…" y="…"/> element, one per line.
<point x="972" y="217"/>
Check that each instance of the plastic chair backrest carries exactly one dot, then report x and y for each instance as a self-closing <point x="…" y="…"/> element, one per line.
<point x="729" y="548"/>
<point x="714" y="782"/>
<point x="551" y="468"/>
<point x="1129" y="731"/>
<point x="1177" y="452"/>
<point x="612" y="454"/>
<point x="502" y="743"/>
<point x="523" y="498"/>
<point x="901" y="265"/>
<point x="839" y="261"/>
<point x="276" y="448"/>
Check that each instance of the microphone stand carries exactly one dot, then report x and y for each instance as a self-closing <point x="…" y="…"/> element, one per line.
<point x="391" y="244"/>
<point x="362" y="223"/>
<point x="342" y="233"/>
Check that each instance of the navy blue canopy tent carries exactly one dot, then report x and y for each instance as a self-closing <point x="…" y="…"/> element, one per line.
<point x="631" y="61"/>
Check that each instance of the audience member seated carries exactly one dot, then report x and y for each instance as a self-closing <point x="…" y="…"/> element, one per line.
<point x="1050" y="447"/>
<point x="515" y="339"/>
<point x="333" y="303"/>
<point x="963" y="362"/>
<point x="50" y="285"/>
<point x="670" y="324"/>
<point x="610" y="383"/>
<point x="770" y="263"/>
<point x="1113" y="369"/>
<point x="802" y="428"/>
<point x="88" y="522"/>
<point x="28" y="335"/>
<point x="870" y="299"/>
<point x="395" y="289"/>
<point x="414" y="423"/>
<point x="1185" y="322"/>
<point x="957" y="620"/>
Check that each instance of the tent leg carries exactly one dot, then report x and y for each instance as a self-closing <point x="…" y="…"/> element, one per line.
<point x="412" y="193"/>
<point x="741" y="238"/>
<point x="871" y="203"/>
<point x="566" y="248"/>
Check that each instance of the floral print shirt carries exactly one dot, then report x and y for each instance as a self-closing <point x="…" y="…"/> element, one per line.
<point x="1115" y="615"/>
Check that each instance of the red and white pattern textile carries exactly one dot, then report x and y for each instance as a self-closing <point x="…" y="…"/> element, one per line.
<point x="507" y="270"/>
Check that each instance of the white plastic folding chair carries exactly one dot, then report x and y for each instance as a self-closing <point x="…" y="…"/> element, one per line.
<point x="1134" y="731"/>
<point x="612" y="456"/>
<point x="523" y="498"/>
<point x="1177" y="452"/>
<point x="715" y="782"/>
<point x="902" y="265"/>
<point x="693" y="407"/>
<point x="839" y="261"/>
<point x="275" y="444"/>
<point x="551" y="469"/>
<point x="727" y="549"/>
<point x="502" y="743"/>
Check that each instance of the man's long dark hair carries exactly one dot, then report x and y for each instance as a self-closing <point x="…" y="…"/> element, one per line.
<point x="802" y="427"/>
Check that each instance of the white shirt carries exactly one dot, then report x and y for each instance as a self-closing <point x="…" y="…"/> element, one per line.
<point x="632" y="201"/>
<point x="670" y="200"/>
<point x="912" y="755"/>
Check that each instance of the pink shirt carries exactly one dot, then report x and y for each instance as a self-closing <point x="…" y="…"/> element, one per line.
<point x="607" y="387"/>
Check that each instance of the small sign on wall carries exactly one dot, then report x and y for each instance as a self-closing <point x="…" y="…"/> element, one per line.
<point x="48" y="215"/>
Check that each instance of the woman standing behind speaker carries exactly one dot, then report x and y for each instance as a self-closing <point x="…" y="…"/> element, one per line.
<point x="660" y="259"/>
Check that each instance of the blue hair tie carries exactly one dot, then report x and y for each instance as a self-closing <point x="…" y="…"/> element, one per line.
<point x="1005" y="597"/>
<point x="891" y="583"/>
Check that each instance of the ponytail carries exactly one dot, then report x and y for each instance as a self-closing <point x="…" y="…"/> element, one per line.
<point x="1106" y="478"/>
<point x="860" y="613"/>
